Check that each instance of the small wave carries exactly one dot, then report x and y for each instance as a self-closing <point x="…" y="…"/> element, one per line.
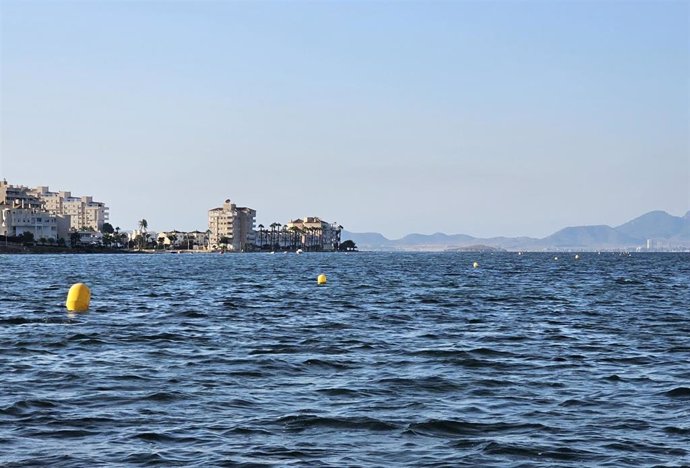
<point x="23" y="407"/>
<point x="304" y="422"/>
<point x="64" y="433"/>
<point x="172" y="337"/>
<point x="128" y="377"/>
<point x="239" y="403"/>
<point x="636" y="360"/>
<point x="559" y="453"/>
<point x="231" y="305"/>
<point x="677" y="430"/>
<point x="146" y="458"/>
<point x="85" y="339"/>
<point x="163" y="396"/>
<point x="339" y="392"/>
<point x="614" y="378"/>
<point x="576" y="402"/>
<point x="282" y="453"/>
<point x="162" y="437"/>
<point x="440" y="353"/>
<point x="679" y="392"/>
<point x="429" y="300"/>
<point x="628" y="281"/>
<point x="42" y="320"/>
<point x="246" y="430"/>
<point x="326" y="364"/>
<point x="634" y="446"/>
<point x="247" y="373"/>
<point x="278" y="349"/>
<point x="447" y="427"/>
<point x="426" y="384"/>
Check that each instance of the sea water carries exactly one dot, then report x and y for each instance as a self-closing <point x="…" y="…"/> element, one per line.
<point x="400" y="359"/>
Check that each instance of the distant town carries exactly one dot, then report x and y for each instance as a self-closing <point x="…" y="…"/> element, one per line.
<point x="36" y="219"/>
<point x="39" y="217"/>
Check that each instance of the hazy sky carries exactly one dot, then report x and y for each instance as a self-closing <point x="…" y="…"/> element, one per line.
<point x="483" y="118"/>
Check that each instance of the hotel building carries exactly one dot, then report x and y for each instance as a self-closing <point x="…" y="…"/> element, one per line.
<point x="49" y="215"/>
<point x="84" y="213"/>
<point x="232" y="224"/>
<point x="315" y="233"/>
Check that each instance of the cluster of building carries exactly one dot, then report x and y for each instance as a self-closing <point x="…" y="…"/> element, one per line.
<point x="52" y="216"/>
<point x="232" y="227"/>
<point x="48" y="215"/>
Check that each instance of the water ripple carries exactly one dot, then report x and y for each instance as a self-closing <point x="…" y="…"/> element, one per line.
<point x="400" y="360"/>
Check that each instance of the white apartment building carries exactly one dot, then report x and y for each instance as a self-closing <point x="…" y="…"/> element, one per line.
<point x="18" y="196"/>
<point x="17" y="221"/>
<point x="316" y="233"/>
<point x="22" y="212"/>
<point x="193" y="240"/>
<point x="232" y="223"/>
<point x="47" y="209"/>
<point x="84" y="213"/>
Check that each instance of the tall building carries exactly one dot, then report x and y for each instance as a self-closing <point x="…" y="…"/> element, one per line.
<point x="84" y="213"/>
<point x="232" y="226"/>
<point x="18" y="196"/>
<point x="23" y="212"/>
<point x="39" y="210"/>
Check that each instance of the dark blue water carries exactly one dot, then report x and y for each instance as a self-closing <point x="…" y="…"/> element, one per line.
<point x="400" y="360"/>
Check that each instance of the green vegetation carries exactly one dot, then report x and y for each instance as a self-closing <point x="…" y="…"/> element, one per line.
<point x="348" y="246"/>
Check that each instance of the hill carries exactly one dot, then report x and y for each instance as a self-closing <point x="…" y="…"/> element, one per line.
<point x="661" y="228"/>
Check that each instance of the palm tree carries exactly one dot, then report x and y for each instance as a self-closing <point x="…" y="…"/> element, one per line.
<point x="261" y="234"/>
<point x="143" y="226"/>
<point x="273" y="231"/>
<point x="278" y="226"/>
<point x="293" y="237"/>
<point x="285" y="235"/>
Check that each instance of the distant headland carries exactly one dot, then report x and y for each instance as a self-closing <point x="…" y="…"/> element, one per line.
<point x="655" y="231"/>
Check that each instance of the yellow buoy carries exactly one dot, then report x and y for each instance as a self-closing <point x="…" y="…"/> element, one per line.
<point x="577" y="257"/>
<point x="475" y="265"/>
<point x="321" y="279"/>
<point x="78" y="298"/>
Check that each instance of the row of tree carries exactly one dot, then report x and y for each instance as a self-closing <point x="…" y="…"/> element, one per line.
<point x="282" y="237"/>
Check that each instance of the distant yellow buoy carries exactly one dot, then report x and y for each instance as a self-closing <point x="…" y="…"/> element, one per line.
<point x="577" y="257"/>
<point x="555" y="258"/>
<point x="78" y="298"/>
<point x="321" y="279"/>
<point x="475" y="265"/>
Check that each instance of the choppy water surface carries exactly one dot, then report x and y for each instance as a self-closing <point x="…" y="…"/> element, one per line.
<point x="400" y="360"/>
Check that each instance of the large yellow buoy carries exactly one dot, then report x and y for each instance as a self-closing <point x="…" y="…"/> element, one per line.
<point x="475" y="265"/>
<point x="78" y="298"/>
<point x="321" y="279"/>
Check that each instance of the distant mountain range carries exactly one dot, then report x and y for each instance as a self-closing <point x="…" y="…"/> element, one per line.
<point x="656" y="230"/>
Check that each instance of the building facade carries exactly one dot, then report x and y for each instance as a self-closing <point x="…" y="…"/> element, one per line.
<point x="46" y="214"/>
<point x="231" y="226"/>
<point x="42" y="225"/>
<point x="193" y="240"/>
<point x="84" y="213"/>
<point x="315" y="233"/>
<point x="23" y="212"/>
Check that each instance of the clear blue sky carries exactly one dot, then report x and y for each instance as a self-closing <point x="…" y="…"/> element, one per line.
<point x="483" y="118"/>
